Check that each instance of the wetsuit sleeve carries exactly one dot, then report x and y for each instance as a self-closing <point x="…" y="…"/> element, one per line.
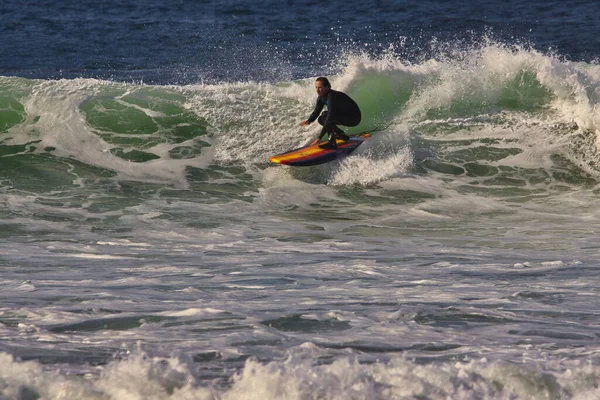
<point x="318" y="107"/>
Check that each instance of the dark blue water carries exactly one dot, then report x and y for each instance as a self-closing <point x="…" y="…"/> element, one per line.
<point x="200" y="41"/>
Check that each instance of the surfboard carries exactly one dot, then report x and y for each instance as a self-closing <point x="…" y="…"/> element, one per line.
<point x="314" y="155"/>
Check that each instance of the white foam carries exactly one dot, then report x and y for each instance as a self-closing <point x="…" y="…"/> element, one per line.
<point x="364" y="169"/>
<point x="54" y="117"/>
<point x="98" y="256"/>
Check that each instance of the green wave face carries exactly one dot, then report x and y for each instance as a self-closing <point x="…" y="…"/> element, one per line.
<point x="136" y="121"/>
<point x="495" y="122"/>
<point x="12" y="110"/>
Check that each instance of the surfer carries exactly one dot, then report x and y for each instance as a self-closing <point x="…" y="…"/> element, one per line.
<point x="341" y="110"/>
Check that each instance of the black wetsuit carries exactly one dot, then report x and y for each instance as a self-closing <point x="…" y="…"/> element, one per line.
<point x="341" y="110"/>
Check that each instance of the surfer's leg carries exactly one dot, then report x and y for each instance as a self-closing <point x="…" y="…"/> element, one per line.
<point x="331" y="134"/>
<point x="334" y="132"/>
<point x="340" y="134"/>
<point x="322" y="118"/>
<point x="331" y="144"/>
<point x="346" y="120"/>
<point x="337" y="134"/>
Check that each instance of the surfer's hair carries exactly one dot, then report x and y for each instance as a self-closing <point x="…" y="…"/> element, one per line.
<point x="324" y="81"/>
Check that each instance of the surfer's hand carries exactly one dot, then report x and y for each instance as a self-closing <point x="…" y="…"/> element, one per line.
<point x="304" y="123"/>
<point x="314" y="142"/>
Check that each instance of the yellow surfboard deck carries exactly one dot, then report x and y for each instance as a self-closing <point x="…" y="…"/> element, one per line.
<point x="314" y="155"/>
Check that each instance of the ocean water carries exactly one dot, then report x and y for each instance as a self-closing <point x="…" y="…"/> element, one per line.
<point x="149" y="250"/>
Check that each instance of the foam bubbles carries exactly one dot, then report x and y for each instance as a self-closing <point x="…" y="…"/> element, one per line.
<point x="139" y="376"/>
<point x="365" y="169"/>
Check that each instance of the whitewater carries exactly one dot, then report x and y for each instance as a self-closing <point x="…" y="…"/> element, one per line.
<point x="149" y="250"/>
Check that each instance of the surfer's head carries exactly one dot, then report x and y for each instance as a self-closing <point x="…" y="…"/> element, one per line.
<point x="322" y="85"/>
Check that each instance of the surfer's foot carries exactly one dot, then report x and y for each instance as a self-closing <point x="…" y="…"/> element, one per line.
<point x="328" y="146"/>
<point x="339" y="134"/>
